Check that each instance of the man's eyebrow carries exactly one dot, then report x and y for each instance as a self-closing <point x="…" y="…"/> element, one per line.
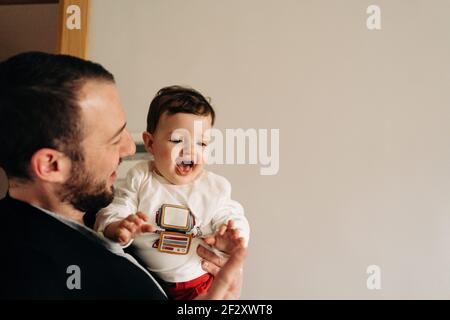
<point x="118" y="132"/>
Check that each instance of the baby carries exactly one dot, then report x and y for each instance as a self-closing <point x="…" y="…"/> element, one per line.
<point x="166" y="205"/>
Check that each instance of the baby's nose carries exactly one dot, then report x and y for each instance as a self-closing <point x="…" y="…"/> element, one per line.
<point x="189" y="152"/>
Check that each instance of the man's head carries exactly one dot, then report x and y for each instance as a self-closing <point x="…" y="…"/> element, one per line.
<point x="171" y="136"/>
<point x="60" y="117"/>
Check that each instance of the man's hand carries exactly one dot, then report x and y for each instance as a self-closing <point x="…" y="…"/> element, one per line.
<point x="130" y="227"/>
<point x="228" y="281"/>
<point x="227" y="271"/>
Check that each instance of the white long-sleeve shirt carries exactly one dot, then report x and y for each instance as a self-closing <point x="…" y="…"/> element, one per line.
<point x="208" y="198"/>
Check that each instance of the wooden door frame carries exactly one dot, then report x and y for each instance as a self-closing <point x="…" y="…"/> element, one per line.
<point x="73" y="42"/>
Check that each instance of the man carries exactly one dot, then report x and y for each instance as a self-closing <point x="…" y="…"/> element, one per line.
<point x="62" y="135"/>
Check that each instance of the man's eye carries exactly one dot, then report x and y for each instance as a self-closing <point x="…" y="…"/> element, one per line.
<point x="202" y="144"/>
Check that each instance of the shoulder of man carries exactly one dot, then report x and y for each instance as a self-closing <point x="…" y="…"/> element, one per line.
<point x="44" y="258"/>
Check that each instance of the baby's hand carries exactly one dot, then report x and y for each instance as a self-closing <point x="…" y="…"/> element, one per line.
<point x="226" y="239"/>
<point x="130" y="227"/>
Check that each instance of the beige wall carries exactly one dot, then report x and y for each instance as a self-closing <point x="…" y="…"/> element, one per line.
<point x="28" y="27"/>
<point x="364" y="119"/>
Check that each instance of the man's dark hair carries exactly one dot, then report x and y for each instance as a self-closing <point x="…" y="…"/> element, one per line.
<point x="39" y="106"/>
<point x="177" y="99"/>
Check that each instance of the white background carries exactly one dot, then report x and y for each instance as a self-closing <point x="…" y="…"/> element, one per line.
<point x="364" y="123"/>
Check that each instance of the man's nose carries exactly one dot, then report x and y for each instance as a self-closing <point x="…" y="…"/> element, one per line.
<point x="128" y="147"/>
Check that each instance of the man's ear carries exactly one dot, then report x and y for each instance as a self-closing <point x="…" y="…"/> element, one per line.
<point x="50" y="165"/>
<point x="148" y="141"/>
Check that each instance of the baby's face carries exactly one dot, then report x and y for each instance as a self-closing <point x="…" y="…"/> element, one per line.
<point x="178" y="146"/>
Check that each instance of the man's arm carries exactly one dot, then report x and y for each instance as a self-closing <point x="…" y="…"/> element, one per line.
<point x="228" y="275"/>
<point x="226" y="270"/>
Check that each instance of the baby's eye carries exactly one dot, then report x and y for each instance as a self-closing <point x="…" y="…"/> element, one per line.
<point x="202" y="144"/>
<point x="176" y="140"/>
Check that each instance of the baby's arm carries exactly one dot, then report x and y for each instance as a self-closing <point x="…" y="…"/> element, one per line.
<point x="229" y="211"/>
<point x="118" y="221"/>
<point x="123" y="231"/>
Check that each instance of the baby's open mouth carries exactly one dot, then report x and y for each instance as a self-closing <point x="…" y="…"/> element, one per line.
<point x="185" y="167"/>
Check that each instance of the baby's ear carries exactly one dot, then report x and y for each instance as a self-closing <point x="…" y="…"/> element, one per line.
<point x="148" y="141"/>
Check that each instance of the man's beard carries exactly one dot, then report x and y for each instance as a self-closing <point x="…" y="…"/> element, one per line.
<point x="83" y="192"/>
